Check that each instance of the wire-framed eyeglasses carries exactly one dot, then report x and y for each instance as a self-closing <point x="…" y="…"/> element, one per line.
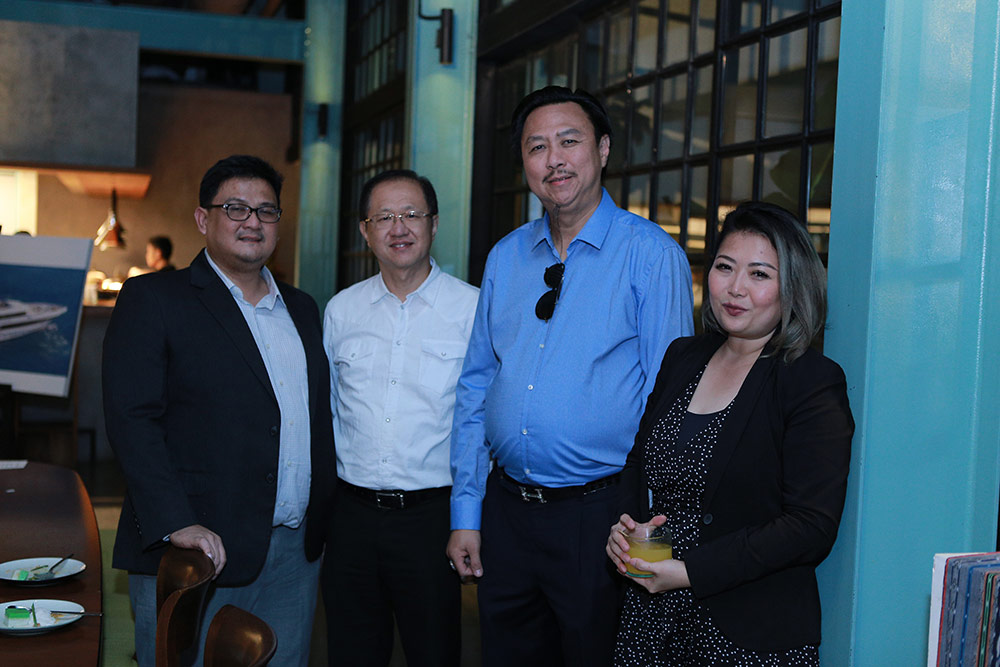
<point x="241" y="212"/>
<point x="385" y="219"/>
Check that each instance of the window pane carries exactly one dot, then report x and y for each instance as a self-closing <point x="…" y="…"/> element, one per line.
<point x="739" y="103"/>
<point x="642" y="126"/>
<point x="782" y="9"/>
<point x="735" y="182"/>
<point x="638" y="194"/>
<point x="786" y="83"/>
<point x="511" y="87"/>
<point x="535" y="209"/>
<point x="828" y="48"/>
<point x="619" y="34"/>
<point x="820" y="179"/>
<point x="539" y="71"/>
<point x="646" y="32"/>
<point x="705" y="32"/>
<point x="507" y="172"/>
<point x="562" y="62"/>
<point x="677" y="31"/>
<point x="701" y="119"/>
<point x="668" y="204"/>
<point x="780" y="177"/>
<point x="614" y="188"/>
<point x="592" y="48"/>
<point x="617" y="106"/>
<point x="742" y="16"/>
<point x="673" y="100"/>
<point x="698" y="209"/>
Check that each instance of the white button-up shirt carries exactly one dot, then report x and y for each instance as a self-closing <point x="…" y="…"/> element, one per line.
<point x="394" y="367"/>
<point x="285" y="360"/>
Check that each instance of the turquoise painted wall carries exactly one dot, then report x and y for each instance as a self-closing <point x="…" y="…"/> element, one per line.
<point x="440" y="113"/>
<point x="319" y="196"/>
<point x="913" y="313"/>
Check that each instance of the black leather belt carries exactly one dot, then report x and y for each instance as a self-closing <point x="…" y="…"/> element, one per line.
<point x="394" y="499"/>
<point x="544" y="494"/>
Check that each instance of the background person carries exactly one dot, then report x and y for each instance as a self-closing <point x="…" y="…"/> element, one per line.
<point x="575" y="311"/>
<point x="745" y="446"/>
<point x="158" y="252"/>
<point x="396" y="342"/>
<point x="217" y="404"/>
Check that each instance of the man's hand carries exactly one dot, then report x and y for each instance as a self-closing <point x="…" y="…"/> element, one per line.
<point x="199" y="537"/>
<point x="463" y="553"/>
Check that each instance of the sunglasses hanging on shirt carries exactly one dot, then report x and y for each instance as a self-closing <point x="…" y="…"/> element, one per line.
<point x="547" y="302"/>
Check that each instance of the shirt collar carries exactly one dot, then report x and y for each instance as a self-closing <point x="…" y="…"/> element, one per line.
<point x="594" y="231"/>
<point x="273" y="294"/>
<point x="427" y="290"/>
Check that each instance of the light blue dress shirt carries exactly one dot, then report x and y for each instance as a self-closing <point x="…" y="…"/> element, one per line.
<point x="558" y="403"/>
<point x="285" y="360"/>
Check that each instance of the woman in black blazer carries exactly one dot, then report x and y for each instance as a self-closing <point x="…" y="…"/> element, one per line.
<point x="743" y="452"/>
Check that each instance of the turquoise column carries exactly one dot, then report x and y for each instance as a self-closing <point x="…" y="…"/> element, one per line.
<point x="323" y="86"/>
<point x="441" y="106"/>
<point x="914" y="312"/>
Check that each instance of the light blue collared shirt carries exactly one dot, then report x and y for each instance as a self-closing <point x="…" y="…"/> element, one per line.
<point x="285" y="360"/>
<point x="558" y="403"/>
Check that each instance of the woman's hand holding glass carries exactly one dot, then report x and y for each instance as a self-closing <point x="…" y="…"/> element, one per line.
<point x="658" y="576"/>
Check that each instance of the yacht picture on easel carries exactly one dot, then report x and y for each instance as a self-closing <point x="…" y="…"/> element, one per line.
<point x="18" y="318"/>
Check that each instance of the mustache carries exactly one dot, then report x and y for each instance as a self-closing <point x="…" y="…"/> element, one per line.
<point x="560" y="173"/>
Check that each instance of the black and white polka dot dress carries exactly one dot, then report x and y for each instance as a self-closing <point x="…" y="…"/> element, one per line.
<point x="672" y="629"/>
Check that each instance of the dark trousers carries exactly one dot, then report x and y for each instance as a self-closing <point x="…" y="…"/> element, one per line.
<point x="381" y="563"/>
<point x="548" y="595"/>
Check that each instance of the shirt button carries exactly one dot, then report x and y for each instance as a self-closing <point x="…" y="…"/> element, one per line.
<point x="392" y="382"/>
<point x="274" y="430"/>
<point x="387" y="420"/>
<point x="530" y="387"/>
<point x="443" y="354"/>
<point x="527" y="471"/>
<point x="524" y="431"/>
<point x="270" y="478"/>
<point x="707" y="519"/>
<point x="399" y="342"/>
<point x="542" y="346"/>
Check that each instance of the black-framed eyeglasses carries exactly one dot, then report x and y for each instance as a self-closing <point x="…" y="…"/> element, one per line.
<point x="547" y="302"/>
<point x="384" y="220"/>
<point x="241" y="212"/>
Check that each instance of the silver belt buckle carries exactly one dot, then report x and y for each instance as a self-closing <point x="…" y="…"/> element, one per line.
<point x="529" y="495"/>
<point x="379" y="495"/>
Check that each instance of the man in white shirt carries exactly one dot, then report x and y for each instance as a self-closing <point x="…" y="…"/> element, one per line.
<point x="396" y="343"/>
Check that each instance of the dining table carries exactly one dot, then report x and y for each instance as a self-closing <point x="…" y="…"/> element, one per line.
<point x="45" y="511"/>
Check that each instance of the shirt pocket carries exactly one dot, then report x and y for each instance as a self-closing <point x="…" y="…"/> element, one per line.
<point x="353" y="361"/>
<point x="440" y="364"/>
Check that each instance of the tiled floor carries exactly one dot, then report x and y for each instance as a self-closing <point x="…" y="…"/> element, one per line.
<point x="106" y="487"/>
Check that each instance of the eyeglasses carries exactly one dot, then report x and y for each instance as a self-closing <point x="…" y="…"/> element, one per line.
<point x="547" y="302"/>
<point x="384" y="220"/>
<point x="241" y="212"/>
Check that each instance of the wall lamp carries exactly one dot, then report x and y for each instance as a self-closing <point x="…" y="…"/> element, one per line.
<point x="445" y="34"/>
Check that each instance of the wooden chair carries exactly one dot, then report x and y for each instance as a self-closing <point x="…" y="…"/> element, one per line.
<point x="181" y="583"/>
<point x="237" y="638"/>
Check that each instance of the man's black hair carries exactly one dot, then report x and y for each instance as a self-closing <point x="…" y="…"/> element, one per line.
<point x="238" y="166"/>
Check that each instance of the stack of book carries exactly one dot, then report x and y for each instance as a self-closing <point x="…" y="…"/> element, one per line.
<point x="965" y="611"/>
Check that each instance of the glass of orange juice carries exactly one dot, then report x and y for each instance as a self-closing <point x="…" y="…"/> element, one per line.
<point x="650" y="543"/>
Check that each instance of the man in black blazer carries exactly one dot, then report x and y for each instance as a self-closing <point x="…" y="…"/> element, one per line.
<point x="216" y="399"/>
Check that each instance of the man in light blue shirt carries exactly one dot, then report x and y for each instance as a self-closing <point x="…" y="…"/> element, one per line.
<point x="575" y="312"/>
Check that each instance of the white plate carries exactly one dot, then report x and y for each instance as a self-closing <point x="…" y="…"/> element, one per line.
<point x="68" y="569"/>
<point x="46" y="621"/>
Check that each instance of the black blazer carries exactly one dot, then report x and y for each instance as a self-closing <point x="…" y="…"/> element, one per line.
<point x="193" y="419"/>
<point x="773" y="496"/>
